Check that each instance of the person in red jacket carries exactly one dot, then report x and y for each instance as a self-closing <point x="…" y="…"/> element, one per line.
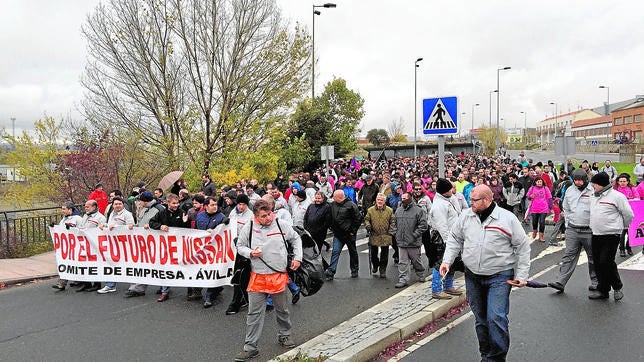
<point x="100" y="196"/>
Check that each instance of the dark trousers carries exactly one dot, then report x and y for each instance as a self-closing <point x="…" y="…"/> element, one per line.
<point x="623" y="241"/>
<point x="604" y="249"/>
<point x="381" y="261"/>
<point x="539" y="221"/>
<point x="394" y="245"/>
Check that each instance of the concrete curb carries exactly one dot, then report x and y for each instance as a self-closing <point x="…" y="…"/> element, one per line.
<point x="372" y="331"/>
<point x="15" y="281"/>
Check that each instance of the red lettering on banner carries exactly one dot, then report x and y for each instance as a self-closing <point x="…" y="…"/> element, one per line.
<point x="88" y="250"/>
<point x="200" y="252"/>
<point x="209" y="250"/>
<point x="151" y="253"/>
<point x="229" y="250"/>
<point x="219" y="257"/>
<point x="134" y="251"/>
<point x="72" y="246"/>
<point x="172" y="249"/>
<point x="81" y="249"/>
<point x="125" y="240"/>
<point x="163" y="250"/>
<point x="64" y="246"/>
<point x="115" y="250"/>
<point x="196" y="246"/>
<point x="56" y="241"/>
<point x="102" y="248"/>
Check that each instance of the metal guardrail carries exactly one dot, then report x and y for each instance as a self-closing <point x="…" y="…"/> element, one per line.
<point x="25" y="226"/>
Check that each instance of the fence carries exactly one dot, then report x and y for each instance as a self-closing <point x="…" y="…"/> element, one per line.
<point x="19" y="227"/>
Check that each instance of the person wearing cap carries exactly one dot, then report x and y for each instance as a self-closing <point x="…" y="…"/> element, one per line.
<point x="442" y="216"/>
<point x="610" y="213"/>
<point x="239" y="217"/>
<point x="100" y="196"/>
<point x="576" y="208"/>
<point x="496" y="254"/>
<point x="70" y="219"/>
<point x="149" y="208"/>
<point x="367" y="194"/>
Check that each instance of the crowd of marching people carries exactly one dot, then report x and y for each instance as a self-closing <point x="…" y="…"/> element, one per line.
<point x="403" y="204"/>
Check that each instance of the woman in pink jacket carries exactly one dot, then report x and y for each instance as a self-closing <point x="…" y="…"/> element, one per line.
<point x="540" y="206"/>
<point x="623" y="184"/>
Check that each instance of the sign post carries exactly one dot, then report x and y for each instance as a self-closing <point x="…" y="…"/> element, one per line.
<point x="440" y="117"/>
<point x="327" y="153"/>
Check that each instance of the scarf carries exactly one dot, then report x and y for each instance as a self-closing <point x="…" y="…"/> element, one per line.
<point x="606" y="188"/>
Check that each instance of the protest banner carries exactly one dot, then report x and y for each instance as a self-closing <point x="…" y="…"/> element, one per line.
<point x="177" y="257"/>
<point x="636" y="229"/>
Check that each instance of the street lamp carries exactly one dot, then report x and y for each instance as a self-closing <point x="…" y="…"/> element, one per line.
<point x="13" y="128"/>
<point x="472" y="129"/>
<point x="525" y="130"/>
<point x="554" y="134"/>
<point x="492" y="91"/>
<point x="315" y="12"/>
<point x="415" y="104"/>
<point x="607" y="109"/>
<point x="459" y="122"/>
<point x="498" y="89"/>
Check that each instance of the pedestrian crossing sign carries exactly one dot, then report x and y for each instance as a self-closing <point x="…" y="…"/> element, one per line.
<point x="440" y="116"/>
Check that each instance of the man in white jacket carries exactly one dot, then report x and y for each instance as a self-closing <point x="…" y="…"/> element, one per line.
<point x="610" y="213"/>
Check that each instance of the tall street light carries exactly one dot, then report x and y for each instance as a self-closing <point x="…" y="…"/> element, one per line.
<point x="13" y="128"/>
<point x="472" y="129"/>
<point x="498" y="89"/>
<point x="555" y="130"/>
<point x="415" y="104"/>
<point x="315" y="12"/>
<point x="492" y="91"/>
<point x="607" y="109"/>
<point x="525" y="130"/>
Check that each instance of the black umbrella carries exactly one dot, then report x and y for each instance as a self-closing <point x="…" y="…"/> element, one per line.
<point x="530" y="284"/>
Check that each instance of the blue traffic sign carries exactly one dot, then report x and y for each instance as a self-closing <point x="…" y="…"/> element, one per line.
<point x="440" y="116"/>
<point x="594" y="143"/>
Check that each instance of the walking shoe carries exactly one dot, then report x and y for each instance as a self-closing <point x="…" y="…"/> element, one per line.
<point x="622" y="253"/>
<point x="329" y="277"/>
<point x="83" y="287"/>
<point x="554" y="244"/>
<point x="269" y="307"/>
<point x="618" y="294"/>
<point x="296" y="297"/>
<point x="207" y="304"/>
<point x="383" y="275"/>
<point x="75" y="284"/>
<point x="246" y="355"/>
<point x="286" y="341"/>
<point x="629" y="251"/>
<point x="400" y="285"/>
<point x="354" y="274"/>
<point x="59" y="287"/>
<point x="194" y="296"/>
<point x="133" y="293"/>
<point x="374" y="270"/>
<point x="597" y="295"/>
<point x="94" y="287"/>
<point x="106" y="290"/>
<point x="441" y="295"/>
<point x="560" y="287"/>
<point x="232" y="309"/>
<point x="163" y="297"/>
<point x="534" y="234"/>
<point x="421" y="278"/>
<point x="453" y="291"/>
<point x="592" y="288"/>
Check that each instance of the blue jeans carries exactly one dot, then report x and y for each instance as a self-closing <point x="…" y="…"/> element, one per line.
<point x="489" y="298"/>
<point x="337" y="249"/>
<point x="447" y="283"/>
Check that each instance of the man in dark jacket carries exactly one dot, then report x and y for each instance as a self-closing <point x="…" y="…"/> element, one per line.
<point x="208" y="187"/>
<point x="172" y="217"/>
<point x="411" y="223"/>
<point x="209" y="220"/>
<point x="368" y="193"/>
<point x="346" y="221"/>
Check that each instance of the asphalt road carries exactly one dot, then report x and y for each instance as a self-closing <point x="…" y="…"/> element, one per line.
<point x="39" y="324"/>
<point x="546" y="326"/>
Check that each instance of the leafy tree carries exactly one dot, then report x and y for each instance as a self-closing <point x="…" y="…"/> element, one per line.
<point x="488" y="136"/>
<point x="331" y="119"/>
<point x="378" y="136"/>
<point x="193" y="78"/>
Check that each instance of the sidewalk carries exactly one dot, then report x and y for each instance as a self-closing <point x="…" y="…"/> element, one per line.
<point x="357" y="339"/>
<point x="14" y="271"/>
<point x="370" y="332"/>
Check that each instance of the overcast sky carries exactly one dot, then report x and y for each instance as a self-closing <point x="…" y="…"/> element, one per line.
<point x="559" y="51"/>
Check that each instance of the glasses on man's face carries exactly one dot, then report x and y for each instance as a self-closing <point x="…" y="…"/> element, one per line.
<point x="475" y="200"/>
<point x="417" y="189"/>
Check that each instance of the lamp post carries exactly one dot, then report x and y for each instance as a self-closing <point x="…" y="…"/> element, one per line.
<point x="315" y="12"/>
<point x="498" y="96"/>
<point x="554" y="134"/>
<point x="525" y="130"/>
<point x="472" y="129"/>
<point x="607" y="110"/>
<point x="13" y="128"/>
<point x="415" y="104"/>
<point x="492" y="91"/>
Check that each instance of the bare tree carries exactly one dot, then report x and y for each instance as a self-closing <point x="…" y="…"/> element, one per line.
<point x="204" y="76"/>
<point x="396" y="130"/>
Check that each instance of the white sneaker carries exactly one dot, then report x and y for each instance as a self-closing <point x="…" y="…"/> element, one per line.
<point x="106" y="290"/>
